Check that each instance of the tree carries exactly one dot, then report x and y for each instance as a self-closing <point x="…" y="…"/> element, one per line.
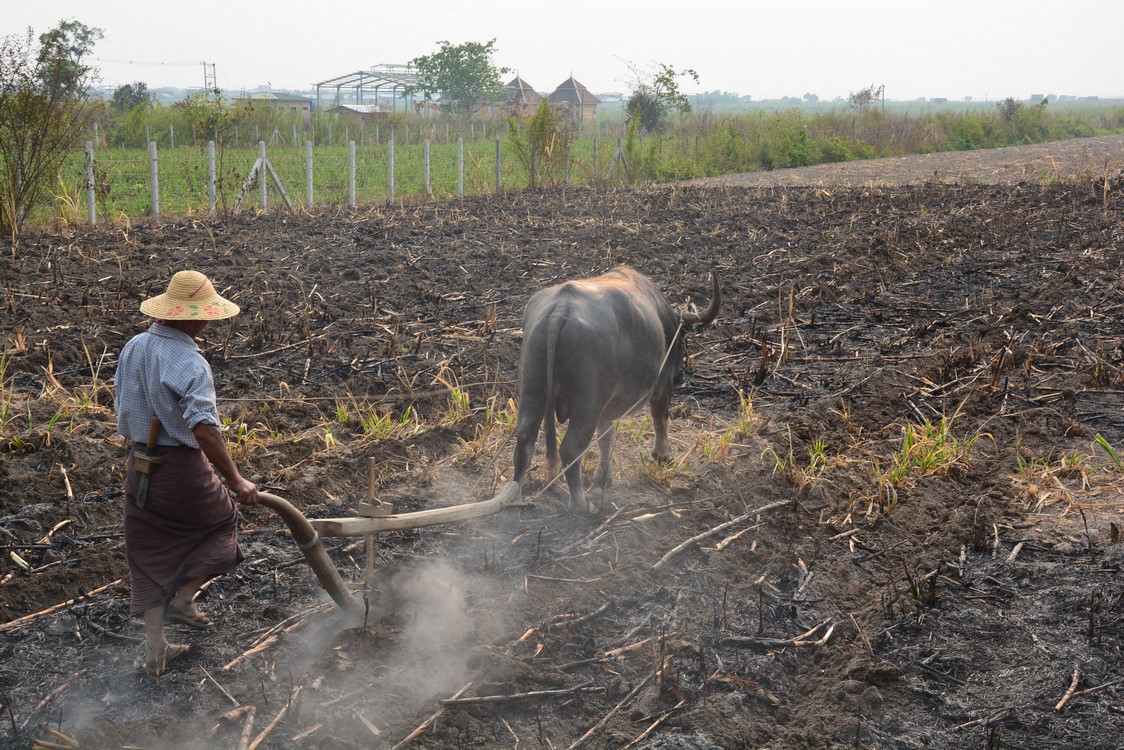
<point x="59" y="61"/>
<point x="43" y="111"/>
<point x="861" y="100"/>
<point x="463" y="73"/>
<point x="656" y="93"/>
<point x="130" y="96"/>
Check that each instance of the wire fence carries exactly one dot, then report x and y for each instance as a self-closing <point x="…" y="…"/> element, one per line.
<point x="111" y="183"/>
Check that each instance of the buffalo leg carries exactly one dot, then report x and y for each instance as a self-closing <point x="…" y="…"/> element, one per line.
<point x="604" y="476"/>
<point x="658" y="406"/>
<point x="578" y="436"/>
<point x="526" y="433"/>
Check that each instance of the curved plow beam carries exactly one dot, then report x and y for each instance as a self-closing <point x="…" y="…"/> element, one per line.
<point x="307" y="533"/>
<point x="309" y="543"/>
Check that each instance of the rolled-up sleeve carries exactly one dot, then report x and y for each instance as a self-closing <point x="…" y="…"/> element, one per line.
<point x="198" y="402"/>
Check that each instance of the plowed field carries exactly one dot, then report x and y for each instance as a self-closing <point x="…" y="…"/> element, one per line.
<point x="917" y="372"/>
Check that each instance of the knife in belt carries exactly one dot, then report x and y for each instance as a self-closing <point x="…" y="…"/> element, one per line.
<point x="147" y="462"/>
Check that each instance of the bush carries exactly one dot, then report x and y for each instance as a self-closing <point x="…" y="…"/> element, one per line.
<point x="787" y="143"/>
<point x="835" y="148"/>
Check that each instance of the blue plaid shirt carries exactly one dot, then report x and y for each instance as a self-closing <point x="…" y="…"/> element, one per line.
<point x="161" y="373"/>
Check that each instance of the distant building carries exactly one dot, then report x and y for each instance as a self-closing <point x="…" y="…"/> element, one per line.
<point x="360" y="112"/>
<point x="521" y="98"/>
<point x="576" y="99"/>
<point x="281" y="100"/>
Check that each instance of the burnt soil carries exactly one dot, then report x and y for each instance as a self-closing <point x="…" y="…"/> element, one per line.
<point x="971" y="598"/>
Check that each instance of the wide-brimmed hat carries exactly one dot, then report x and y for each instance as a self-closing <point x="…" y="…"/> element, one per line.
<point x="190" y="296"/>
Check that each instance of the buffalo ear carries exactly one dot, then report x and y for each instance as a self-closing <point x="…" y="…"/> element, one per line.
<point x="694" y="321"/>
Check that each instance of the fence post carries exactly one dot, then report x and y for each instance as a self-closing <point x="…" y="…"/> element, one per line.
<point x="425" y="157"/>
<point x="499" y="176"/>
<point x="96" y="132"/>
<point x="171" y="135"/>
<point x="263" y="177"/>
<point x="351" y="174"/>
<point x="460" y="167"/>
<point x="595" y="174"/>
<point x="153" y="179"/>
<point x="534" y="165"/>
<point x="91" y="205"/>
<point x="308" y="173"/>
<point x="211" y="192"/>
<point x="390" y="169"/>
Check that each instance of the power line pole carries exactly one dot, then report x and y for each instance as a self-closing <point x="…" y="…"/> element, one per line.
<point x="210" y="81"/>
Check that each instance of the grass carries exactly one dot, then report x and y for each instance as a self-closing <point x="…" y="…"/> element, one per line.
<point x="494" y="430"/>
<point x="702" y="144"/>
<point x="123" y="176"/>
<point x="1062" y="477"/>
<point x="7" y="386"/>
<point x="1104" y="445"/>
<point x="928" y="449"/>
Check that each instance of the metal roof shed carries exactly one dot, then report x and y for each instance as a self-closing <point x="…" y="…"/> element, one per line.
<point x="385" y="76"/>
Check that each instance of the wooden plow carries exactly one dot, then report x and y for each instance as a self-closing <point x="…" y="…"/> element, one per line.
<point x="374" y="518"/>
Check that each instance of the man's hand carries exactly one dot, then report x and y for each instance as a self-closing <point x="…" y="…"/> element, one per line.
<point x="244" y="491"/>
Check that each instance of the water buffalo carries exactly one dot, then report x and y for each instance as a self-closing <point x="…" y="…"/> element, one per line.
<point x="594" y="349"/>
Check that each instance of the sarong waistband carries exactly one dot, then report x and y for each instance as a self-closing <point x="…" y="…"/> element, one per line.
<point x="162" y="449"/>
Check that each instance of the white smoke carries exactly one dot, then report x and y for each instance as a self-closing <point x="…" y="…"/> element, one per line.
<point x="432" y="598"/>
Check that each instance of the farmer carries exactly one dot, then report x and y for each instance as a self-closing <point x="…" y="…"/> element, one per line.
<point x="180" y="522"/>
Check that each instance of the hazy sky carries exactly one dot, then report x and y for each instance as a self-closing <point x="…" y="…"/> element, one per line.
<point x="954" y="48"/>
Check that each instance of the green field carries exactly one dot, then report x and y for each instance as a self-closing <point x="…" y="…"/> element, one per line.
<point x="704" y="143"/>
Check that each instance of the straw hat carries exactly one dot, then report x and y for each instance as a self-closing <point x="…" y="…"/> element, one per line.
<point x="190" y="296"/>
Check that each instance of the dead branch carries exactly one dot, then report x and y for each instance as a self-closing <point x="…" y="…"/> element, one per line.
<point x="296" y="694"/>
<point x="771" y="644"/>
<point x="572" y="620"/>
<point x="716" y="530"/>
<point x="306" y="732"/>
<point x="58" y="740"/>
<point x="231" y="716"/>
<point x="651" y="727"/>
<point x="584" y="687"/>
<point x="229" y="697"/>
<point x="609" y="716"/>
<point x="1097" y="689"/>
<point x="428" y="722"/>
<point x="1072" y="689"/>
<point x="50" y="697"/>
<point x="250" y="652"/>
<point x="19" y="621"/>
<point x="247" y="729"/>
<point x="41" y="744"/>
<point x="369" y="724"/>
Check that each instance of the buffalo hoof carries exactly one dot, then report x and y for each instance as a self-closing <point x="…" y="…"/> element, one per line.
<point x="580" y="506"/>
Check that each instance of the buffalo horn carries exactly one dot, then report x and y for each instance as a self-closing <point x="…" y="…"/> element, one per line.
<point x="696" y="321"/>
